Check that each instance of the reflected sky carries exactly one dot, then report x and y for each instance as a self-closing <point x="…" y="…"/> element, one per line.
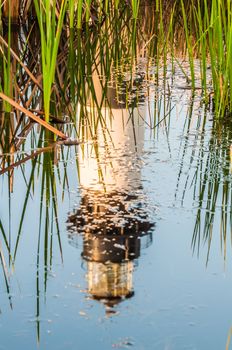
<point x="134" y="185"/>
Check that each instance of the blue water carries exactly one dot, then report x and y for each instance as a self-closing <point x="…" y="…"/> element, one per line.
<point x="181" y="299"/>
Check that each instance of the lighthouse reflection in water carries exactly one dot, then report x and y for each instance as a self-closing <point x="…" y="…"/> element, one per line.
<point x="113" y="216"/>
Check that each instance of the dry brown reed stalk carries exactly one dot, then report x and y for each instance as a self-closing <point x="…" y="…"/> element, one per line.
<point x="28" y="157"/>
<point x="26" y="6"/>
<point x="33" y="117"/>
<point x="33" y="78"/>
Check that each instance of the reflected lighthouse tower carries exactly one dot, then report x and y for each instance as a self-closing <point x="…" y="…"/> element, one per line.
<point x="113" y="215"/>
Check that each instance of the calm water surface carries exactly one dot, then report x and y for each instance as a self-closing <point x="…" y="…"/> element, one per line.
<point x="143" y="256"/>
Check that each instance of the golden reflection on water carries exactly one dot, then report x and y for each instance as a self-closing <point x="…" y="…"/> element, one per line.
<point x="111" y="281"/>
<point x="112" y="215"/>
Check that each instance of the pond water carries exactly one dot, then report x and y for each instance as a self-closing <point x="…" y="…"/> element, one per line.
<point x="125" y="240"/>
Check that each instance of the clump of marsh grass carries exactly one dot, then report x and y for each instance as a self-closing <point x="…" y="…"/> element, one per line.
<point x="206" y="33"/>
<point x="211" y="24"/>
<point x="50" y="31"/>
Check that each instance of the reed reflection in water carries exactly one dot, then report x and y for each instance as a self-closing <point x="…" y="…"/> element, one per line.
<point x="113" y="215"/>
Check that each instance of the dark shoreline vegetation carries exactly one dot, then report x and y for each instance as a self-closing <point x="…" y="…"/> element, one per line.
<point x="63" y="64"/>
